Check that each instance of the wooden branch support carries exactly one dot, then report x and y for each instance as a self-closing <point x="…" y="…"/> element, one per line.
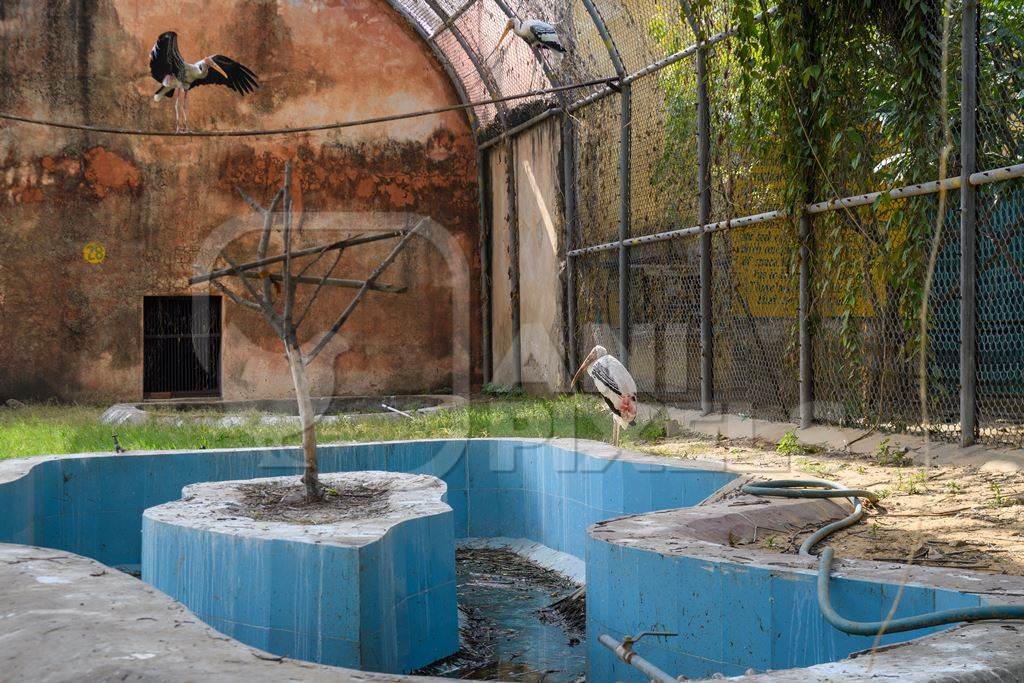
<point x="260" y="263"/>
<point x="329" y="282"/>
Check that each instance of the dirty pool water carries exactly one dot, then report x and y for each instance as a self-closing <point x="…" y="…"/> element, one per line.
<point x="508" y="630"/>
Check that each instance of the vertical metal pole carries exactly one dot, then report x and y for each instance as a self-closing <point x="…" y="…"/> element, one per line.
<point x="569" y="217"/>
<point x="624" y="211"/>
<point x="707" y="384"/>
<point x="968" y="224"/>
<point x="804" y="314"/>
<point x="513" y="258"/>
<point x="484" y="182"/>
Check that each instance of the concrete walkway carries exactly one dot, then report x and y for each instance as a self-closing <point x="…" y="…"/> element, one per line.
<point x="857" y="441"/>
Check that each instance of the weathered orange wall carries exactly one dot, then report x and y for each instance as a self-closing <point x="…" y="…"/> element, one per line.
<point x="73" y="330"/>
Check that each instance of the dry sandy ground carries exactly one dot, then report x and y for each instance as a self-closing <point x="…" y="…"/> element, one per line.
<point x="941" y="516"/>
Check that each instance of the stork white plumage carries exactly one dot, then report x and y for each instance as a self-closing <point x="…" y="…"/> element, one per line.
<point x="538" y="34"/>
<point x="174" y="73"/>
<point x="615" y="384"/>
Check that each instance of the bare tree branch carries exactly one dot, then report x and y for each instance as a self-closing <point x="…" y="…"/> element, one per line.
<point x="319" y="286"/>
<point x="323" y="250"/>
<point x="362" y="292"/>
<point x="252" y="265"/>
<point x="251" y="202"/>
<point x="289" y="286"/>
<point x="266" y="305"/>
<point x="261" y="250"/>
<point x="241" y="301"/>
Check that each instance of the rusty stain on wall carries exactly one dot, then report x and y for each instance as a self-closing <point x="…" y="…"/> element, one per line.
<point x="73" y="330"/>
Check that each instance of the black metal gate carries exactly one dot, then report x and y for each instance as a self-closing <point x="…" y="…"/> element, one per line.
<point x="181" y="346"/>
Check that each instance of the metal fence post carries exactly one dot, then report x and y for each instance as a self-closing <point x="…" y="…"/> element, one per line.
<point x="707" y="384"/>
<point x="804" y="314"/>
<point x="483" y="193"/>
<point x="968" y="224"/>
<point x="624" y="211"/>
<point x="569" y="217"/>
<point x="513" y="260"/>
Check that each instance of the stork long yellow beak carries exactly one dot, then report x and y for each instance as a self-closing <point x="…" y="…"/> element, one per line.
<point x="586" y="364"/>
<point x="216" y="67"/>
<point x="508" y="27"/>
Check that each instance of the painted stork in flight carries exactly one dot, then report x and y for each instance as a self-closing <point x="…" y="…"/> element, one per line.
<point x="615" y="385"/>
<point x="174" y="73"/>
<point x="537" y="34"/>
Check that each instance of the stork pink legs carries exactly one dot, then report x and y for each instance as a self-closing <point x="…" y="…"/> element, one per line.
<point x="615" y="433"/>
<point x="181" y="111"/>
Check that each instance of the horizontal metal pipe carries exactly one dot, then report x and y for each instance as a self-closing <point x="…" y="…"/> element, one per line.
<point x="869" y="198"/>
<point x="683" y="232"/>
<point x="996" y="174"/>
<point x="915" y="190"/>
<point x="606" y="91"/>
<point x="635" y="660"/>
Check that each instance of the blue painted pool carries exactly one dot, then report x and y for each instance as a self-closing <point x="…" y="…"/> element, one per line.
<point x="729" y="617"/>
<point x="546" y="492"/>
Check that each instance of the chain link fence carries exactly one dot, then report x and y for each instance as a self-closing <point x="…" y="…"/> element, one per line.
<point x="832" y="184"/>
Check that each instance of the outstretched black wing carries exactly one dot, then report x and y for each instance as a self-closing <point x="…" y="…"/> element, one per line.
<point x="164" y="58"/>
<point x="240" y="78"/>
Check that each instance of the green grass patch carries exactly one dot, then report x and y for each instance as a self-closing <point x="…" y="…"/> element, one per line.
<point x="45" y="429"/>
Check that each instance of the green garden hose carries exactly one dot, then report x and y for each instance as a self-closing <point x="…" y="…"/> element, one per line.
<point x="814" y="488"/>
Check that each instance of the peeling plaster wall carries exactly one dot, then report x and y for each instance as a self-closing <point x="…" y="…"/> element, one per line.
<point x="73" y="330"/>
<point x="541" y="257"/>
<point x="540" y="236"/>
<point x="503" y="367"/>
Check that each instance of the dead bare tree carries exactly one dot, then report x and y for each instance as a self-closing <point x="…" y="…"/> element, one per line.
<point x="275" y="298"/>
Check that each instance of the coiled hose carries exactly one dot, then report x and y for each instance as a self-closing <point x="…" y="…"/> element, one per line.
<point x="815" y="488"/>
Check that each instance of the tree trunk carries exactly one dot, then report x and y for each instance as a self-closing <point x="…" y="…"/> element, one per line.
<point x="310" y="475"/>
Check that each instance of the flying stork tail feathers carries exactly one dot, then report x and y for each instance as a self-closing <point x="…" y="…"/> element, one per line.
<point x="172" y="72"/>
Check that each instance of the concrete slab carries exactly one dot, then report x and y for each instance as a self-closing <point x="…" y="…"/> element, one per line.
<point x="68" y="618"/>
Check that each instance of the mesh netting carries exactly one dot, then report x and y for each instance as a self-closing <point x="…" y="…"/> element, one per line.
<point x="891" y="120"/>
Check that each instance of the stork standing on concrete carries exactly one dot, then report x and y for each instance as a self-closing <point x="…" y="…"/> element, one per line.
<point x="538" y="34"/>
<point x="616" y="386"/>
<point x="174" y="73"/>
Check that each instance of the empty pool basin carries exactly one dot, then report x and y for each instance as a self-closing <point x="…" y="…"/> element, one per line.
<point x="734" y="608"/>
<point x="544" y="491"/>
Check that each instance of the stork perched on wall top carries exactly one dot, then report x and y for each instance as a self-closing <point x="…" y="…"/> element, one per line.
<point x="616" y="386"/>
<point x="174" y="73"/>
<point x="537" y="34"/>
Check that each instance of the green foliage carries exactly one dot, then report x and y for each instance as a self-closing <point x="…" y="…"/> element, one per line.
<point x="1000" y="499"/>
<point x="789" y="444"/>
<point x="44" y="429"/>
<point x="501" y="390"/>
<point x="887" y="456"/>
<point x="912" y="484"/>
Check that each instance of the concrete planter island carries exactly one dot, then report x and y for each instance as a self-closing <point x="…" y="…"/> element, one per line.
<point x="374" y="590"/>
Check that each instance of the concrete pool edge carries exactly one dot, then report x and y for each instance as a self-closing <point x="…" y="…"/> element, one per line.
<point x="983" y="651"/>
<point x="374" y="591"/>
